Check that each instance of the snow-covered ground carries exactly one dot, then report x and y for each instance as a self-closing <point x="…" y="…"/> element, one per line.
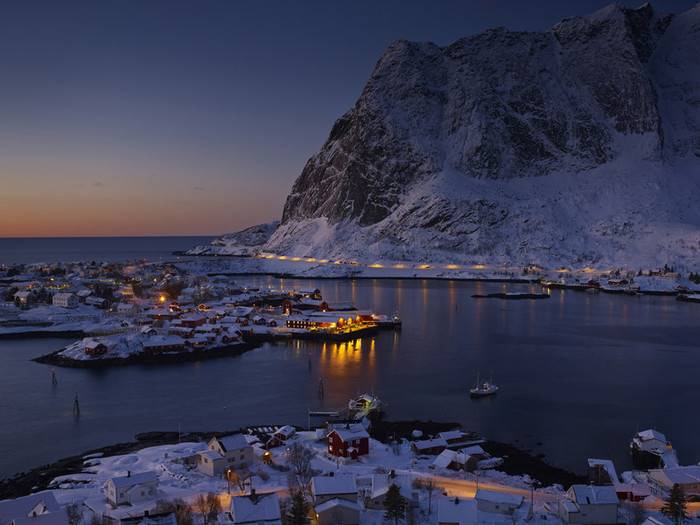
<point x="179" y="479"/>
<point x="49" y="318"/>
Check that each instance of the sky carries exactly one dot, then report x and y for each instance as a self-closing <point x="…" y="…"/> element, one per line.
<point x="186" y="118"/>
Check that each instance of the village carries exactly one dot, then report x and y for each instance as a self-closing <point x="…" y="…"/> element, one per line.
<point x="338" y="474"/>
<point x="137" y="312"/>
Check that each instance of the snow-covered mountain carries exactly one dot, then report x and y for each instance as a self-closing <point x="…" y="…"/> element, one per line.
<point x="243" y="243"/>
<point x="580" y="144"/>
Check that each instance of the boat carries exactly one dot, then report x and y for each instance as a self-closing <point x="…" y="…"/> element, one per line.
<point x="361" y="406"/>
<point x="650" y="450"/>
<point x="511" y="295"/>
<point x="487" y="388"/>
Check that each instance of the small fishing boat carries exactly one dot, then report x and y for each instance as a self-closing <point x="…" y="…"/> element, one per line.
<point x="483" y="389"/>
<point x="362" y="405"/>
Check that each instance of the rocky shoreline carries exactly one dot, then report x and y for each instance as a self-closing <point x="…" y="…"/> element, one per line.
<point x="55" y="359"/>
<point x="516" y="461"/>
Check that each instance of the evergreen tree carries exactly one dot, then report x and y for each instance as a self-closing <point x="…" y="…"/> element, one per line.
<point x="395" y="505"/>
<point x="675" y="506"/>
<point x="299" y="509"/>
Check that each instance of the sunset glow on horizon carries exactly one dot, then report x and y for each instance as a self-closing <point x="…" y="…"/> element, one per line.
<point x="177" y="118"/>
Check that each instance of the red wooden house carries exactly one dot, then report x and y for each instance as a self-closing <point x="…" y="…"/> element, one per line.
<point x="348" y="441"/>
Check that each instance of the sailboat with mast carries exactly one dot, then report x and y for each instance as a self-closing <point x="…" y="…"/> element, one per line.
<point x="483" y="389"/>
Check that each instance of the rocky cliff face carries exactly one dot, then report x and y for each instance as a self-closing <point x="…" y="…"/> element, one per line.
<point x="513" y="145"/>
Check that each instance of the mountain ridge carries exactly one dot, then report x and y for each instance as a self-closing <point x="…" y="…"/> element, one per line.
<point x="579" y="143"/>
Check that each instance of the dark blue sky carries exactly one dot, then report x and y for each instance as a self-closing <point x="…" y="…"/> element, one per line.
<point x="194" y="117"/>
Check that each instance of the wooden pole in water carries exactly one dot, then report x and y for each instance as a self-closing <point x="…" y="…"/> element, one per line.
<point x="76" y="406"/>
<point x="54" y="381"/>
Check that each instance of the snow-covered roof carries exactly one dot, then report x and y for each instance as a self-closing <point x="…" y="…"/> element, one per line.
<point x="455" y="510"/>
<point x="11" y="509"/>
<point x="447" y="457"/>
<point x="337" y="502"/>
<point x="474" y="450"/>
<point x="325" y="485"/>
<point x="503" y="498"/>
<point x="286" y="431"/>
<point x="163" y="340"/>
<point x="608" y="466"/>
<point x="263" y="508"/>
<point x="131" y="480"/>
<point x="50" y="518"/>
<point x="651" y="434"/>
<point x="451" y="434"/>
<point x="594" y="494"/>
<point x="429" y="443"/>
<point x="680" y="475"/>
<point x="92" y="343"/>
<point x="165" y="518"/>
<point x="569" y="505"/>
<point x="348" y="432"/>
<point x="232" y="442"/>
<point x="211" y="454"/>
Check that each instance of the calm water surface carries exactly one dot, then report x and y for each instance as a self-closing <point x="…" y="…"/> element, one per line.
<point x="579" y="374"/>
<point x="57" y="249"/>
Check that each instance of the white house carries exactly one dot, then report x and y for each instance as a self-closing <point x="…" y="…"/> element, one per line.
<point x="325" y="488"/>
<point x="497" y="502"/>
<point x="211" y="463"/>
<point x="132" y="488"/>
<point x="40" y="509"/>
<point x="455" y="511"/>
<point x="256" y="510"/>
<point x="338" y="511"/>
<point x="589" y="505"/>
<point x="65" y="300"/>
<point x="235" y="448"/>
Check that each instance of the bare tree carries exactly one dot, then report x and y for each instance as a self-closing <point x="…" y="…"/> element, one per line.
<point x="300" y="462"/>
<point x="213" y="506"/>
<point x="201" y="507"/>
<point x="74" y="514"/>
<point x="429" y="485"/>
<point x="239" y="478"/>
<point x="183" y="512"/>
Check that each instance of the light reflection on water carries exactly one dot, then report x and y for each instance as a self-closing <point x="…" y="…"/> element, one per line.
<point x="579" y="373"/>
